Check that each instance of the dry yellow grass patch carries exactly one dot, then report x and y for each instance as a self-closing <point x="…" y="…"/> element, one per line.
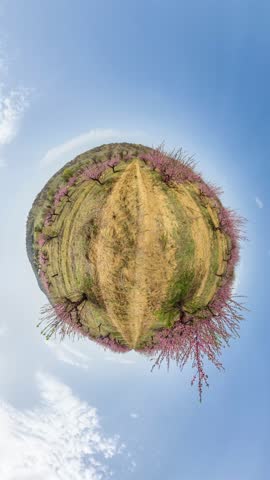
<point x="133" y="269"/>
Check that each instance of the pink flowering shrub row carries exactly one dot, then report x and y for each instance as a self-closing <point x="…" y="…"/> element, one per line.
<point x="44" y="280"/>
<point x="191" y="337"/>
<point x="178" y="168"/>
<point x="42" y="238"/>
<point x="61" y="193"/>
<point x="43" y="259"/>
<point x="95" y="171"/>
<point x="91" y="172"/>
<point x="62" y="319"/>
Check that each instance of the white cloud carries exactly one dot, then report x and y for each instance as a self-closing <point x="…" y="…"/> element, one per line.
<point x="259" y="202"/>
<point x="12" y="107"/>
<point x="69" y="355"/>
<point x="59" y="440"/>
<point x="134" y="415"/>
<point x="87" y="139"/>
<point x="13" y="103"/>
<point x="118" y="358"/>
<point x="238" y="278"/>
<point x="236" y="283"/>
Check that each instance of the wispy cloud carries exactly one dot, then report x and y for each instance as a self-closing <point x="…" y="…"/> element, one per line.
<point x="69" y="355"/>
<point x="236" y="282"/>
<point x="64" y="151"/>
<point x="259" y="202"/>
<point x="238" y="277"/>
<point x="119" y="359"/>
<point x="134" y="415"/>
<point x="60" y="439"/>
<point x="12" y="108"/>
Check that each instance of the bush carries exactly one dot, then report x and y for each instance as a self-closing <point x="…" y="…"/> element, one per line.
<point x="67" y="173"/>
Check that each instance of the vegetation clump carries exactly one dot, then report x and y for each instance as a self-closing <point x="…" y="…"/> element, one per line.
<point x="135" y="251"/>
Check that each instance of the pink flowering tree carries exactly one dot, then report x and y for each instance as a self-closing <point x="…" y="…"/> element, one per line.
<point x="72" y="180"/>
<point x="94" y="172"/>
<point x="128" y="157"/>
<point x="170" y="168"/>
<point x="48" y="218"/>
<point x="194" y="338"/>
<point x="42" y="238"/>
<point x="113" y="162"/>
<point x="43" y="259"/>
<point x="60" y="194"/>
<point x="63" y="318"/>
<point x="44" y="280"/>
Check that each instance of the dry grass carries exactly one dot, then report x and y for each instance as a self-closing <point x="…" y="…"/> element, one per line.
<point x="132" y="268"/>
<point x="136" y="247"/>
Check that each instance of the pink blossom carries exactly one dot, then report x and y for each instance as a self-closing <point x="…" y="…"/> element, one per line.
<point x="61" y="193"/>
<point x="48" y="219"/>
<point x="128" y="157"/>
<point x="63" y="319"/>
<point x="42" y="238"/>
<point x="43" y="259"/>
<point x="72" y="180"/>
<point x="113" y="162"/>
<point x="94" y="172"/>
<point x="196" y="337"/>
<point x="44" y="280"/>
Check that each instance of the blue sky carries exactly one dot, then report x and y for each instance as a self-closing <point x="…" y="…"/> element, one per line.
<point x="74" y="75"/>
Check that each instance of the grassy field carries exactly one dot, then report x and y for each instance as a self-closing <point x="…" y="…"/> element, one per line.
<point x="135" y="246"/>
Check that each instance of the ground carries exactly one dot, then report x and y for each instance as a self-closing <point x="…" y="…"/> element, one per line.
<point x="137" y="247"/>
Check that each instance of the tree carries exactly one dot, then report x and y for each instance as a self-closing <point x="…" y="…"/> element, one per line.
<point x="113" y="162"/>
<point x="72" y="180"/>
<point x="60" y="194"/>
<point x="45" y="282"/>
<point x="49" y="218"/>
<point x="43" y="259"/>
<point x="128" y="157"/>
<point x="63" y="318"/>
<point x="42" y="238"/>
<point x="193" y="338"/>
<point x="94" y="172"/>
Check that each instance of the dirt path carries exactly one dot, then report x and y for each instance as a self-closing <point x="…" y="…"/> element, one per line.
<point x="132" y="266"/>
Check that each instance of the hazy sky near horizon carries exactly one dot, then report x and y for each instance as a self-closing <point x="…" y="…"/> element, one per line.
<point x="74" y="75"/>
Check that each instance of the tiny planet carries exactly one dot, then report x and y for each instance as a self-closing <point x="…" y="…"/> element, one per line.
<point x="135" y="251"/>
